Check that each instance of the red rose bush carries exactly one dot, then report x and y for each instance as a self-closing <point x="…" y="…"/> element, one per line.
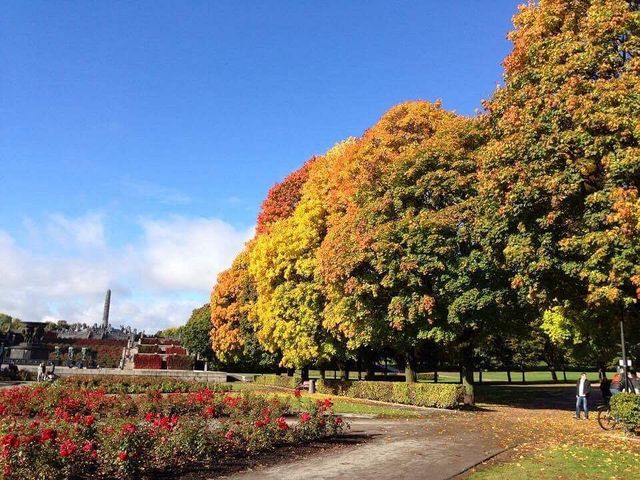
<point x="56" y="432"/>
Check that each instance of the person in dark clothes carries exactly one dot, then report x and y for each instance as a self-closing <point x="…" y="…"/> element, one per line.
<point x="605" y="386"/>
<point x="583" y="391"/>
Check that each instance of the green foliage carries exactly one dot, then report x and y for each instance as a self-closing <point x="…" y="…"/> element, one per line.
<point x="438" y="395"/>
<point x="194" y="335"/>
<point x="133" y="384"/>
<point x="625" y="407"/>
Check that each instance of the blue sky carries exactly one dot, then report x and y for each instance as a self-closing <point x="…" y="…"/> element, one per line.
<point x="137" y="139"/>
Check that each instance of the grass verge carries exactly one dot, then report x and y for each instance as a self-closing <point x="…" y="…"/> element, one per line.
<point x="566" y="462"/>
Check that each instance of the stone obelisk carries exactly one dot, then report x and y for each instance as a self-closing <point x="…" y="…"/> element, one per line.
<point x="105" y="314"/>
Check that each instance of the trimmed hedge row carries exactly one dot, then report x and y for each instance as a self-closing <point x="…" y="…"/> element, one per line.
<point x="273" y="380"/>
<point x="147" y="360"/>
<point x="440" y="395"/>
<point x="625" y="407"/>
<point x="129" y="384"/>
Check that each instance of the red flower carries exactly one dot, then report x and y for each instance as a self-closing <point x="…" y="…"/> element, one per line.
<point x="7" y="470"/>
<point x="88" y="446"/>
<point x="339" y="421"/>
<point x="297" y="393"/>
<point x="327" y="403"/>
<point x="282" y="423"/>
<point x="123" y="456"/>
<point x="305" y="417"/>
<point x="10" y="440"/>
<point x="229" y="435"/>
<point x="48" y="434"/>
<point x="260" y="423"/>
<point x="3" y="409"/>
<point x="210" y="411"/>
<point x="129" y="428"/>
<point x="89" y="420"/>
<point x="67" y="448"/>
<point x="149" y="417"/>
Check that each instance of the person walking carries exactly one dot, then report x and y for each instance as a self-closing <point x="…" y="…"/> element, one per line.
<point x="583" y="391"/>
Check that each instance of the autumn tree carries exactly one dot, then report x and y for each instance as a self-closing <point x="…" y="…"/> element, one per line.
<point x="231" y="329"/>
<point x="290" y="301"/>
<point x="282" y="198"/>
<point x="559" y="176"/>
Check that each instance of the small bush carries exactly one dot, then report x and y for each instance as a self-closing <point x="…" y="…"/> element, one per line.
<point x="626" y="408"/>
<point x="171" y="350"/>
<point x="278" y="381"/>
<point x="426" y="377"/>
<point x="439" y="395"/>
<point x="145" y="360"/>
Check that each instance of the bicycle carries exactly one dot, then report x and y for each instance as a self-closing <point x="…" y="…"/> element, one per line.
<point x="605" y="419"/>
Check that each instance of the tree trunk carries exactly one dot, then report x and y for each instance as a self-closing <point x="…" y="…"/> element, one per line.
<point x="304" y="373"/>
<point x="480" y="376"/>
<point x="523" y="379"/>
<point x="323" y="373"/>
<point x="371" y="371"/>
<point x="290" y="372"/>
<point x="410" y="368"/>
<point x="554" y="374"/>
<point x="435" y="377"/>
<point x="509" y="376"/>
<point x="564" y="375"/>
<point x="467" y="374"/>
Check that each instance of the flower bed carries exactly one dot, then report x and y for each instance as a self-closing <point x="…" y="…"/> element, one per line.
<point x="60" y="432"/>
<point x="133" y="385"/>
<point x="440" y="395"/>
<point x="180" y="362"/>
<point x="144" y="360"/>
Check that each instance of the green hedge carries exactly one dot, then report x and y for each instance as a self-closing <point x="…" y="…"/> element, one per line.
<point x="132" y="384"/>
<point x="440" y="395"/>
<point x="426" y="377"/>
<point x="626" y="408"/>
<point x="278" y="381"/>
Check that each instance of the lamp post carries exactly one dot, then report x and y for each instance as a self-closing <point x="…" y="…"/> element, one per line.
<point x="624" y="351"/>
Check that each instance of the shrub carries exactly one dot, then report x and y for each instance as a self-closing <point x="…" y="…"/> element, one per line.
<point x="278" y="380"/>
<point x="132" y="384"/>
<point x="625" y="407"/>
<point x="440" y="395"/>
<point x="180" y="362"/>
<point x="426" y="377"/>
<point x="144" y="360"/>
<point x="174" y="350"/>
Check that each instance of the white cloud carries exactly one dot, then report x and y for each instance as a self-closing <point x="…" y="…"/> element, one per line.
<point x="185" y="253"/>
<point x="84" y="232"/>
<point x="155" y="278"/>
<point x="158" y="193"/>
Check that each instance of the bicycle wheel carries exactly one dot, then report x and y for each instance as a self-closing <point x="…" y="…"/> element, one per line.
<point x="605" y="419"/>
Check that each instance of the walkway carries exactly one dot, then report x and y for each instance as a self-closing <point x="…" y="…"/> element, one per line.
<point x="391" y="450"/>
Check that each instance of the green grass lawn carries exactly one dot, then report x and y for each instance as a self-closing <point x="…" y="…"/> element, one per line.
<point x="566" y="462"/>
<point x="454" y="377"/>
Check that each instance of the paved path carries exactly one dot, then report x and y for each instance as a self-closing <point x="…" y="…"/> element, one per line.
<point x="390" y="450"/>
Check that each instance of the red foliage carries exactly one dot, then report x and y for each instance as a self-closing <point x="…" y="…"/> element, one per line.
<point x="175" y="350"/>
<point x="282" y="198"/>
<point x="143" y="360"/>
